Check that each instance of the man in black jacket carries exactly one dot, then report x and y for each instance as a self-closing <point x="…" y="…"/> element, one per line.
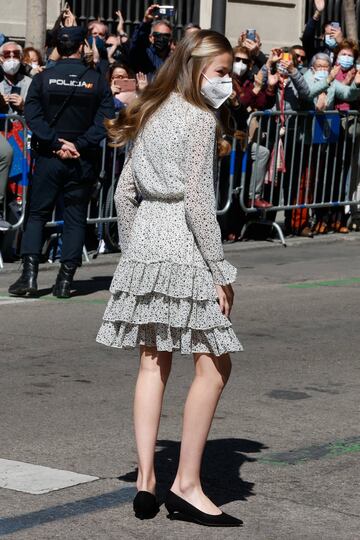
<point x="150" y="45"/>
<point x="65" y="109"/>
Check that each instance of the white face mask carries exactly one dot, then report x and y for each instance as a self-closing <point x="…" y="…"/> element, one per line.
<point x="11" y="66"/>
<point x="34" y="65"/>
<point x="239" y="68"/>
<point x="217" y="90"/>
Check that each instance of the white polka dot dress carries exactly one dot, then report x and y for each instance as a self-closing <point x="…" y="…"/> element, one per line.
<point x="163" y="292"/>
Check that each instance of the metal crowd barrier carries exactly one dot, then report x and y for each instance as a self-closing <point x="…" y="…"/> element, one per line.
<point x="18" y="139"/>
<point x="296" y="161"/>
<point x="13" y="128"/>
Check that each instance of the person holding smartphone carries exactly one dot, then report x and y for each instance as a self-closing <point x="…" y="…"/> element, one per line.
<point x="15" y="85"/>
<point x="331" y="34"/>
<point x="250" y="39"/>
<point x="124" y="85"/>
<point x="150" y="45"/>
<point x="172" y="289"/>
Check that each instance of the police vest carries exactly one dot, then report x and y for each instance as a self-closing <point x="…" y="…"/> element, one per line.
<point x="64" y="79"/>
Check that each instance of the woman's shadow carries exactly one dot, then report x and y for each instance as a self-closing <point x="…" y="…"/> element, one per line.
<point x="220" y="473"/>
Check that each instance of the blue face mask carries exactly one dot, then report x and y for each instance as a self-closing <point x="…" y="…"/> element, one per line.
<point x="330" y="41"/>
<point x="321" y="75"/>
<point x="346" y="62"/>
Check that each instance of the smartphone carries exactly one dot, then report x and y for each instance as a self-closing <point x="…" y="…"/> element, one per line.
<point x="286" y="56"/>
<point x="164" y="11"/>
<point x="125" y="85"/>
<point x="15" y="90"/>
<point x="251" y="34"/>
<point x="335" y="24"/>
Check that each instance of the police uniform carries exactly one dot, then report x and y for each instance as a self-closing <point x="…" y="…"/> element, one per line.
<point x="68" y="101"/>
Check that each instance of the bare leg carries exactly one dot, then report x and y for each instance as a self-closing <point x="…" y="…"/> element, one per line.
<point x="149" y="391"/>
<point x="211" y="375"/>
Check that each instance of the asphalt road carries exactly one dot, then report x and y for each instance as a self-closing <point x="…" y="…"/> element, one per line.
<point x="285" y="444"/>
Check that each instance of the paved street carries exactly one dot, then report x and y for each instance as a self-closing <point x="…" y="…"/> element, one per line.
<point x="284" y="450"/>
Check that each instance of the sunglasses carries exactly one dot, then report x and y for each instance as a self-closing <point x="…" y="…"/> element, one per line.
<point x="161" y="34"/>
<point x="244" y="60"/>
<point x="300" y="56"/>
<point x="9" y="54"/>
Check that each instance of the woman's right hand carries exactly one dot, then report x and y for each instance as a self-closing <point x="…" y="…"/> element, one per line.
<point x="114" y="89"/>
<point x="226" y="298"/>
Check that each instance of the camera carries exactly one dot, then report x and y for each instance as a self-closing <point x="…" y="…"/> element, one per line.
<point x="164" y="11"/>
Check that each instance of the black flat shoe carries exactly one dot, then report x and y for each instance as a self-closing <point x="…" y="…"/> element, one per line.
<point x="179" y="509"/>
<point x="145" y="505"/>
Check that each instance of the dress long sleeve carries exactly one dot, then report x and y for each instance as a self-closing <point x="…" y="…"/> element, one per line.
<point x="126" y="203"/>
<point x="163" y="290"/>
<point x="200" y="204"/>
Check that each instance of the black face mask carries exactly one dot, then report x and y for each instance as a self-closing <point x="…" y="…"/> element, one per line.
<point x="161" y="43"/>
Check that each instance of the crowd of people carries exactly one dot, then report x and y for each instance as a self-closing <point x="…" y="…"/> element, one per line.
<point x="300" y="77"/>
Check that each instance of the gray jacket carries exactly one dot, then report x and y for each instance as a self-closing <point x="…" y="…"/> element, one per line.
<point x="296" y="90"/>
<point x="23" y="82"/>
<point x="336" y="90"/>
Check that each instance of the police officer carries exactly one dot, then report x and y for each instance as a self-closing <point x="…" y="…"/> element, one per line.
<point x="65" y="109"/>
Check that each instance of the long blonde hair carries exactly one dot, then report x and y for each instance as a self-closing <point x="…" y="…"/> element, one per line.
<point x="180" y="73"/>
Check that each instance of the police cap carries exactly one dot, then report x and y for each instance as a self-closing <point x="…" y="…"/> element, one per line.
<point x="73" y="34"/>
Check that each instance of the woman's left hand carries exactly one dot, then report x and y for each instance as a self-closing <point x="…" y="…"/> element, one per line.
<point x="357" y="78"/>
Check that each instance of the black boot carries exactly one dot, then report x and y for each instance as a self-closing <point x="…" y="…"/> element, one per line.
<point x="27" y="283"/>
<point x="62" y="286"/>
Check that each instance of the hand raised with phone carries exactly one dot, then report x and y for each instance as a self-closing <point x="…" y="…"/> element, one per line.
<point x="150" y="16"/>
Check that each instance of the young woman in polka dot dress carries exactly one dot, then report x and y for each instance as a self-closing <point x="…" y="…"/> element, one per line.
<point x="172" y="288"/>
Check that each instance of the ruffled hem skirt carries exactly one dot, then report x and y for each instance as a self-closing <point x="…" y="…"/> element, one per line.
<point x="166" y="305"/>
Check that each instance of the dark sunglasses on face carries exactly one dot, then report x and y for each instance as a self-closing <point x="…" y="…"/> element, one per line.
<point x="161" y="34"/>
<point x="8" y="54"/>
<point x="244" y="60"/>
<point x="300" y="57"/>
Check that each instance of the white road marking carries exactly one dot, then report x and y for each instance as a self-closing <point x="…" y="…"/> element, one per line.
<point x="36" y="479"/>
<point x="8" y="300"/>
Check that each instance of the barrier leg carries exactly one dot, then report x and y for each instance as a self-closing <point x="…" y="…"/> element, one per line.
<point x="264" y="221"/>
<point x="85" y="254"/>
<point x="278" y="229"/>
<point x="1" y="261"/>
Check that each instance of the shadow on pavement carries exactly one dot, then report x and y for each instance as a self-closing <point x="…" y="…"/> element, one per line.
<point x="221" y="479"/>
<point x="86" y="506"/>
<point x="83" y="287"/>
<point x="90" y="286"/>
